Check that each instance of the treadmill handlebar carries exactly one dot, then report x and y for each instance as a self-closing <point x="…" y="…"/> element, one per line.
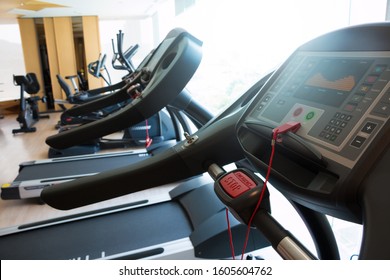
<point x="106" y="98"/>
<point x="214" y="143"/>
<point x="114" y="183"/>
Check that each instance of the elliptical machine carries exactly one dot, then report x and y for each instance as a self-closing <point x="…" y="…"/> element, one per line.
<point x="29" y="111"/>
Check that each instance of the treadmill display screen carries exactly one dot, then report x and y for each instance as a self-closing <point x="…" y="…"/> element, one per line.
<point x="330" y="81"/>
<point x="337" y="97"/>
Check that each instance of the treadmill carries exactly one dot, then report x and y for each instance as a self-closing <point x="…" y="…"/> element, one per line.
<point x="326" y="113"/>
<point x="189" y="222"/>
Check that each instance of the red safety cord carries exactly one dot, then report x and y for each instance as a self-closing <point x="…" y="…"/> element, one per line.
<point x="135" y="93"/>
<point x="289" y="126"/>
<point x="230" y="234"/>
<point x="148" y="140"/>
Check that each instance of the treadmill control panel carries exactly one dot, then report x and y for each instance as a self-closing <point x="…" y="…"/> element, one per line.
<point x="341" y="99"/>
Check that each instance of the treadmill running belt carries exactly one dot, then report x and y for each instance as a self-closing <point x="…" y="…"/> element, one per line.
<point x="85" y="166"/>
<point x="100" y="236"/>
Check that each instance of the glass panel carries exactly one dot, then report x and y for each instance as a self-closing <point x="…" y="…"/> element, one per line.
<point x="11" y="61"/>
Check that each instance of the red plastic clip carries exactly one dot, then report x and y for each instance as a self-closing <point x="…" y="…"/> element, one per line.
<point x="284" y="128"/>
<point x="148" y="140"/>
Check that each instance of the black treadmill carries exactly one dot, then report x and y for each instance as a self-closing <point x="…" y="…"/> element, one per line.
<point x="187" y="223"/>
<point x="337" y="88"/>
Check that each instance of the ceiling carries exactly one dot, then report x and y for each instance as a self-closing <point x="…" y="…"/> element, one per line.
<point x="10" y="10"/>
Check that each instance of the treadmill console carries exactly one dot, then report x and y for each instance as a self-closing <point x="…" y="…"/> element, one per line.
<point x="340" y="94"/>
<point x="341" y="100"/>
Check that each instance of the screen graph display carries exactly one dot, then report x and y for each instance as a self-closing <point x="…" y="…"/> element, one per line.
<point x="346" y="83"/>
<point x="331" y="80"/>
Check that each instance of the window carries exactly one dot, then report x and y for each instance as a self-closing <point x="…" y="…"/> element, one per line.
<point x="245" y="39"/>
<point x="11" y="61"/>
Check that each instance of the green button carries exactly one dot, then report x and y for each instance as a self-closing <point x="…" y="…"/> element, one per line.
<point x="309" y="115"/>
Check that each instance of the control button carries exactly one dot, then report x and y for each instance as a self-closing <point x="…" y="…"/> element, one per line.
<point x="364" y="88"/>
<point x="358" y="141"/>
<point x="382" y="109"/>
<point x="357" y="98"/>
<point x="281" y="102"/>
<point x="350" y="107"/>
<point x="261" y="106"/>
<point x="369" y="127"/>
<point x="298" y="111"/>
<point x="335" y="126"/>
<point x="379" y="69"/>
<point x="386" y="98"/>
<point x="277" y="86"/>
<point x="267" y="98"/>
<point x="310" y="115"/>
<point x="371" y="79"/>
<point x="236" y="183"/>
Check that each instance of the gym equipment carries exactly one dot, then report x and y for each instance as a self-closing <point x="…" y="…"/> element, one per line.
<point x="122" y="60"/>
<point x="336" y="87"/>
<point x="183" y="110"/>
<point x="83" y="97"/>
<point x="96" y="67"/>
<point x="35" y="175"/>
<point x="81" y="81"/>
<point x="156" y="129"/>
<point x="178" y="51"/>
<point x="152" y="88"/>
<point x="79" y="97"/>
<point x="28" y="107"/>
<point x="185" y="230"/>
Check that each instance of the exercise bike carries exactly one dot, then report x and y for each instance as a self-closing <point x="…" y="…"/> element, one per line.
<point x="29" y="111"/>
